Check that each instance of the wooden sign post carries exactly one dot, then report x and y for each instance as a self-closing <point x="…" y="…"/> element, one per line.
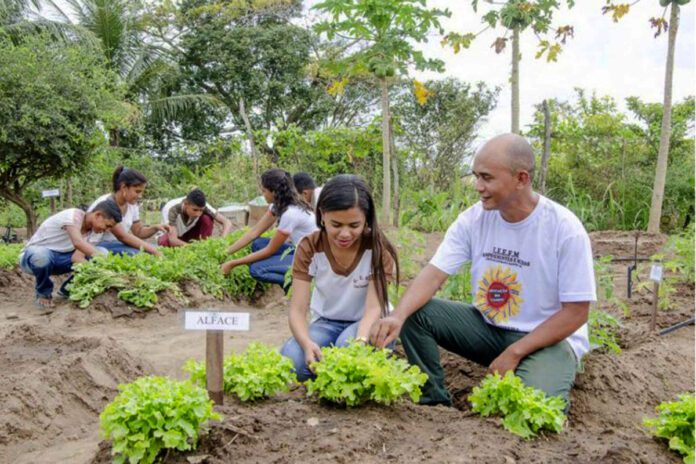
<point x="656" y="277"/>
<point x="52" y="194"/>
<point x="215" y="323"/>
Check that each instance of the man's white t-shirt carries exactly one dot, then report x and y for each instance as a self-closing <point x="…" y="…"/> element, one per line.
<point x="52" y="233"/>
<point x="130" y="217"/>
<point x="521" y="272"/>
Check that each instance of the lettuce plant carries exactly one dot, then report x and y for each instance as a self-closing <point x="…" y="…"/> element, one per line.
<point x="675" y="423"/>
<point x="259" y="372"/>
<point x="357" y="373"/>
<point x="152" y="414"/>
<point x="525" y="410"/>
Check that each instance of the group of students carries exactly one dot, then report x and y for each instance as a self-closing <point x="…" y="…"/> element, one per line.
<point x="531" y="268"/>
<point x="112" y="224"/>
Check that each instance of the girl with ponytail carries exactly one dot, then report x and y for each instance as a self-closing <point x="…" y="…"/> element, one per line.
<point x="271" y="257"/>
<point x="350" y="261"/>
<point x="127" y="237"/>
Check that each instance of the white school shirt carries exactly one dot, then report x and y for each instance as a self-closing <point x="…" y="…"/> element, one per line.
<point x="296" y="222"/>
<point x="52" y="234"/>
<point x="521" y="272"/>
<point x="130" y="217"/>
<point x="339" y="292"/>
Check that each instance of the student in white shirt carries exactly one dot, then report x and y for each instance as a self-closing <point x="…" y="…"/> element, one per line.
<point x="350" y="261"/>
<point x="271" y="258"/>
<point x="55" y="245"/>
<point x="532" y="283"/>
<point x="127" y="236"/>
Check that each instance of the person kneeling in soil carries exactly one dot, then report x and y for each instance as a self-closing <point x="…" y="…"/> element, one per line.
<point x="55" y="246"/>
<point x="127" y="236"/>
<point x="270" y="258"/>
<point x="351" y="261"/>
<point x="532" y="283"/>
<point x="191" y="218"/>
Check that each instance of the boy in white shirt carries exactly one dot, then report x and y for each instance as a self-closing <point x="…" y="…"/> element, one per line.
<point x="532" y="282"/>
<point x="50" y="251"/>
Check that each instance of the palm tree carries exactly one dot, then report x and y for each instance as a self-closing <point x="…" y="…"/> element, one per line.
<point x="142" y="66"/>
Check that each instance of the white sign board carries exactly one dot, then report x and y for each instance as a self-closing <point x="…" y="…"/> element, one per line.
<point x="656" y="273"/>
<point x="50" y="193"/>
<point x="216" y="320"/>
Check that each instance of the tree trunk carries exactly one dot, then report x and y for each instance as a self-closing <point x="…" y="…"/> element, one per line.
<point x="386" y="153"/>
<point x="666" y="130"/>
<point x="69" y="192"/>
<point x="114" y="137"/>
<point x="547" y="148"/>
<point x="395" y="171"/>
<point x="250" y="136"/>
<point x="18" y="200"/>
<point x="515" y="81"/>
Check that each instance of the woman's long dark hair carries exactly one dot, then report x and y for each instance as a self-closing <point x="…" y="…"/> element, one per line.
<point x="130" y="177"/>
<point x="279" y="182"/>
<point x="346" y="191"/>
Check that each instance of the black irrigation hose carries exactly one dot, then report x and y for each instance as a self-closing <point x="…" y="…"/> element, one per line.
<point x="676" y="326"/>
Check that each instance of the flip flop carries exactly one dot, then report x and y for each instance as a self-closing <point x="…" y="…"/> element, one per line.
<point x="44" y="308"/>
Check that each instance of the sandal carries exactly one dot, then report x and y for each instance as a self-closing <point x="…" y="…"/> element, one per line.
<point x="45" y="306"/>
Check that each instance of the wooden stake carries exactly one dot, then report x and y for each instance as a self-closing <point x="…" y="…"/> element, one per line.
<point x="53" y="205"/>
<point x="213" y="365"/>
<point x="656" y="297"/>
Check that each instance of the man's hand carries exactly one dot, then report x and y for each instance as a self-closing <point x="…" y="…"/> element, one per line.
<point x="508" y="360"/>
<point x="385" y="330"/>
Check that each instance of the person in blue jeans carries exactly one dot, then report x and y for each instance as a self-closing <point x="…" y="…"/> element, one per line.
<point x="54" y="247"/>
<point x="271" y="257"/>
<point x="350" y="261"/>
<point x="128" y="237"/>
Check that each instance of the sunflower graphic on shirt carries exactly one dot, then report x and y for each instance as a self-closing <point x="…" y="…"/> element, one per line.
<point x="498" y="294"/>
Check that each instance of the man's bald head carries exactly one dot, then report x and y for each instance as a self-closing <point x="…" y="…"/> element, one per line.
<point x="513" y="150"/>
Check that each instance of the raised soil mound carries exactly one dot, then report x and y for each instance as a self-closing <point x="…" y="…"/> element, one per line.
<point x="51" y="383"/>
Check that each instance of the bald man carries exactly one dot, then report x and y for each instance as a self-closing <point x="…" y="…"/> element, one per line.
<point x="532" y="283"/>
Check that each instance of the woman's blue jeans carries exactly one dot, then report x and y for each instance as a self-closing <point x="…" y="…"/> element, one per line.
<point x="272" y="269"/>
<point x="323" y="332"/>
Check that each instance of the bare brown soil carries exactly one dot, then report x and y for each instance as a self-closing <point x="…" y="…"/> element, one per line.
<point x="60" y="370"/>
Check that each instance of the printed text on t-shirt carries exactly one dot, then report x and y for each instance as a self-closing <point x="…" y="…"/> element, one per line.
<point x="501" y="255"/>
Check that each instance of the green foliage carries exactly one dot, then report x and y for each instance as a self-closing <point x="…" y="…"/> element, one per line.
<point x="602" y="330"/>
<point x="388" y="28"/>
<point x="51" y="96"/>
<point x="357" y="373"/>
<point x="681" y="247"/>
<point x="9" y="256"/>
<point x="525" y="410"/>
<point x="152" y="414"/>
<point x="431" y="211"/>
<point x="435" y="139"/>
<point x="519" y="15"/>
<point x="602" y="165"/>
<point x="259" y="372"/>
<point x="142" y="276"/>
<point x="675" y="423"/>
<point x="458" y="286"/>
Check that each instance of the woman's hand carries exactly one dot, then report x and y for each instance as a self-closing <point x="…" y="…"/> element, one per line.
<point x="228" y="266"/>
<point x="312" y="354"/>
